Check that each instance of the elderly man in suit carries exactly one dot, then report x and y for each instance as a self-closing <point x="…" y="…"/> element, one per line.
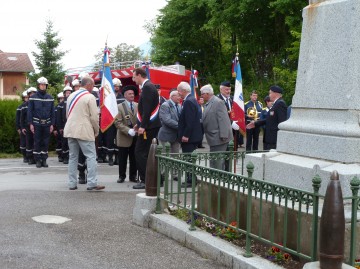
<point x="169" y="116"/>
<point x="81" y="128"/>
<point x="190" y="129"/>
<point x="125" y="137"/>
<point x="216" y="123"/>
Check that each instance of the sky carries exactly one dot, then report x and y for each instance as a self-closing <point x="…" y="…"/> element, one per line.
<point x="83" y="25"/>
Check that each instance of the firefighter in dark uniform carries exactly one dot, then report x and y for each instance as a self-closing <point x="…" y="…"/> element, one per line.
<point x="57" y="133"/>
<point x="253" y="110"/>
<point x="25" y="98"/>
<point x="62" y="121"/>
<point x="264" y="114"/>
<point x="25" y="128"/>
<point x="41" y="118"/>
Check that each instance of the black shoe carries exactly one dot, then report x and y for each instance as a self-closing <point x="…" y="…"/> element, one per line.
<point x="186" y="185"/>
<point x="25" y="160"/>
<point x="96" y="188"/>
<point x="38" y="164"/>
<point x="44" y="164"/>
<point x="105" y="160"/>
<point x="61" y="159"/>
<point x="201" y="147"/>
<point x="72" y="189"/>
<point x="65" y="161"/>
<point x="111" y="161"/>
<point x="120" y="180"/>
<point x="139" y="186"/>
<point x="31" y="161"/>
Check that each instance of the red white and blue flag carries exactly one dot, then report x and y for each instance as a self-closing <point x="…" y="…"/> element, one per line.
<point x="146" y="66"/>
<point x="108" y="104"/>
<point x="237" y="112"/>
<point x="194" y="82"/>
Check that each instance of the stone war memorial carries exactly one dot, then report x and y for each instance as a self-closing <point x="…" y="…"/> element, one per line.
<point x="323" y="132"/>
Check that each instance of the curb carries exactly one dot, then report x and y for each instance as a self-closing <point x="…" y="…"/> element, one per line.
<point x="207" y="246"/>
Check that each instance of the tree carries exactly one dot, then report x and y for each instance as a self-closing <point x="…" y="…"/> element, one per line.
<point x="48" y="60"/>
<point x="205" y="34"/>
<point x="121" y="53"/>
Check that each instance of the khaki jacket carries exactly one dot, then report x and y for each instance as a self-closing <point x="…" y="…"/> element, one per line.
<point x="123" y="139"/>
<point x="83" y="121"/>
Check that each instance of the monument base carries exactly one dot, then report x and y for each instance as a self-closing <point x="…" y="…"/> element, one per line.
<point x="298" y="171"/>
<point x="316" y="265"/>
<point x="144" y="206"/>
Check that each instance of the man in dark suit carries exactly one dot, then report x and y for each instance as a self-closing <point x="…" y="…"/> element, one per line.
<point x="190" y="129"/>
<point x="148" y="122"/>
<point x="276" y="115"/>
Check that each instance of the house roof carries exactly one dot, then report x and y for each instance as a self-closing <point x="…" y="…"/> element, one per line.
<point x="15" y="62"/>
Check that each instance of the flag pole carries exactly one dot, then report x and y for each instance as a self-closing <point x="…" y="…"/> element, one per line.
<point x="236" y="131"/>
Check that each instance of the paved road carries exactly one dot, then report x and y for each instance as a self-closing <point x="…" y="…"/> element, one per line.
<point x="99" y="235"/>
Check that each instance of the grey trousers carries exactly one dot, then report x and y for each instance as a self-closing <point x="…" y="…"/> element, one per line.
<point x="174" y="148"/>
<point x="89" y="150"/>
<point x="218" y="164"/>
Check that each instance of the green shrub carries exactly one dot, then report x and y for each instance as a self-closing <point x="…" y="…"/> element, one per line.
<point x="9" y="138"/>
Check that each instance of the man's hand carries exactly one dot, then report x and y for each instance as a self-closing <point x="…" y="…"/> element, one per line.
<point x="135" y="127"/>
<point x="19" y="131"/>
<point x="23" y="131"/>
<point x="184" y="139"/>
<point x="131" y="132"/>
<point x="32" y="128"/>
<point x="250" y="125"/>
<point x="235" y="126"/>
<point x="51" y="129"/>
<point x="141" y="130"/>
<point x="55" y="133"/>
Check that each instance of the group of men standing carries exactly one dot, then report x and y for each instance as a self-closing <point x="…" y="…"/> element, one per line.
<point x="75" y="122"/>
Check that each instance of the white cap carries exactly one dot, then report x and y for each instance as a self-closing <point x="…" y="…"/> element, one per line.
<point x="31" y="89"/>
<point x="42" y="80"/>
<point x="116" y="82"/>
<point x="60" y="95"/>
<point x="75" y="82"/>
<point x="67" y="88"/>
<point x="24" y="94"/>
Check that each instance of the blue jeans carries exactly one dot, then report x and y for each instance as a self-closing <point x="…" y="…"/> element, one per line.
<point x="89" y="150"/>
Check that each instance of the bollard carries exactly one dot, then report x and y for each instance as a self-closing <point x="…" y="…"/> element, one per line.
<point x="332" y="226"/>
<point x="151" y="171"/>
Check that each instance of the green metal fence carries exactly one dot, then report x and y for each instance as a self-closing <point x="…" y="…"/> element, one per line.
<point x="256" y="205"/>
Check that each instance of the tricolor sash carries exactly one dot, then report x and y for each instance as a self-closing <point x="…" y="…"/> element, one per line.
<point x="74" y="101"/>
<point x="153" y="115"/>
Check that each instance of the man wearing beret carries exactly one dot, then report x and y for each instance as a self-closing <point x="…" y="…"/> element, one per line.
<point x="125" y="137"/>
<point x="277" y="114"/>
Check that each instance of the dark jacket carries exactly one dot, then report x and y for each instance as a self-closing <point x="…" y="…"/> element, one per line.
<point x="148" y="107"/>
<point x="276" y="115"/>
<point x="41" y="109"/>
<point x="190" y="120"/>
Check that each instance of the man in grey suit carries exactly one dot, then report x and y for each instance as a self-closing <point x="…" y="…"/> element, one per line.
<point x="169" y="117"/>
<point x="216" y="123"/>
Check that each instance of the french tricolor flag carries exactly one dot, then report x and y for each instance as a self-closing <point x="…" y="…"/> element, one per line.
<point x="108" y="104"/>
<point x="237" y="111"/>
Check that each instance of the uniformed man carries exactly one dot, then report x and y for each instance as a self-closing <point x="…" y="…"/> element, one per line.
<point x="25" y="128"/>
<point x="41" y="117"/>
<point x="57" y="133"/>
<point x="126" y="135"/>
<point x="253" y="110"/>
<point x="65" y="146"/>
<point x="264" y="114"/>
<point x="25" y="98"/>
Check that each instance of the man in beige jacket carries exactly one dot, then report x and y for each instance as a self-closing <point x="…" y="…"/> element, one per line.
<point x="81" y="128"/>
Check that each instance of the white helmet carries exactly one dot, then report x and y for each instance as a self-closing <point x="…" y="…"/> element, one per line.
<point x="24" y="94"/>
<point x="67" y="88"/>
<point x="31" y="89"/>
<point x="60" y="95"/>
<point x="116" y="82"/>
<point x="95" y="89"/>
<point x="42" y="80"/>
<point x="82" y="75"/>
<point x="75" y="82"/>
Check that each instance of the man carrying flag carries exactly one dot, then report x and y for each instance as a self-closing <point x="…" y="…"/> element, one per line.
<point x="237" y="113"/>
<point x="148" y="121"/>
<point x="193" y="82"/>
